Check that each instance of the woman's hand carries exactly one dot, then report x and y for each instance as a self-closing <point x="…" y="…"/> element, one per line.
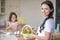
<point x="34" y="31"/>
<point x="7" y="28"/>
<point x="30" y="36"/>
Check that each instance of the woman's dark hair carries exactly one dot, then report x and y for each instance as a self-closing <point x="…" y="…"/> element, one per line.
<point x="50" y="4"/>
<point x="11" y="14"/>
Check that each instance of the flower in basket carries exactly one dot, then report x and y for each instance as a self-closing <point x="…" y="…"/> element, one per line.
<point x="27" y="29"/>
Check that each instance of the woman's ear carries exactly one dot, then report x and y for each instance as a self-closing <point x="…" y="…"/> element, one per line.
<point x="51" y="10"/>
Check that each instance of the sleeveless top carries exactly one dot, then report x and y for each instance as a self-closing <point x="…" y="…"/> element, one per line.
<point x="13" y="25"/>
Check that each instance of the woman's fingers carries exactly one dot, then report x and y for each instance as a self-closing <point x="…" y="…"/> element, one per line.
<point x="31" y="36"/>
<point x="34" y="32"/>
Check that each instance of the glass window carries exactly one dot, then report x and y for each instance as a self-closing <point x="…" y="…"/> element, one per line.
<point x="57" y="15"/>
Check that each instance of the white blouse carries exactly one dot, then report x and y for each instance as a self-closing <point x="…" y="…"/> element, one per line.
<point x="48" y="27"/>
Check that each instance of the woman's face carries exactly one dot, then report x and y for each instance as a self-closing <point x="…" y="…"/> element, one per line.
<point x="45" y="9"/>
<point x="13" y="18"/>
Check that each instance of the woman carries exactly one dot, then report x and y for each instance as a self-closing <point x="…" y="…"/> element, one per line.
<point x="12" y="23"/>
<point x="45" y="30"/>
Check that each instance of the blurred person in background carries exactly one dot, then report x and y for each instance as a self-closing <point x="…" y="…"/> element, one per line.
<point x="12" y="23"/>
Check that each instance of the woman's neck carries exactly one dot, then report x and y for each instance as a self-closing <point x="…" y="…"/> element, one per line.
<point x="13" y="21"/>
<point x="46" y="17"/>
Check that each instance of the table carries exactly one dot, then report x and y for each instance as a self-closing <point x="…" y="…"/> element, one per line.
<point x="20" y="37"/>
<point x="56" y="36"/>
<point x="12" y="37"/>
<point x="6" y="36"/>
<point x="9" y="37"/>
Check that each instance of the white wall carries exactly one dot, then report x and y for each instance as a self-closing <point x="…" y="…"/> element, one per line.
<point x="12" y="6"/>
<point x="30" y="10"/>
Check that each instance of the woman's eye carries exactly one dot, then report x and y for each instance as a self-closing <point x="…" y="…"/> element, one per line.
<point x="46" y="8"/>
<point x="42" y="8"/>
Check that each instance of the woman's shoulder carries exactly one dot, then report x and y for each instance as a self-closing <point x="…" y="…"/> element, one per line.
<point x="50" y="20"/>
<point x="49" y="25"/>
<point x="17" y="22"/>
<point x="7" y="21"/>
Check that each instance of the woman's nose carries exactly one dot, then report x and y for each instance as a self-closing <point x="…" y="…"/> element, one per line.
<point x="43" y="11"/>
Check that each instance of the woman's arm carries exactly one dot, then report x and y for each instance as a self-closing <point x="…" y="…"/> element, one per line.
<point x="32" y="36"/>
<point x="7" y="26"/>
<point x="46" y="37"/>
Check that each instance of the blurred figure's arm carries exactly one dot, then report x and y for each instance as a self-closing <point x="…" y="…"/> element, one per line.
<point x="7" y="26"/>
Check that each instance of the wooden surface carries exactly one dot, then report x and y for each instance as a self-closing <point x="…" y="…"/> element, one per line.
<point x="56" y="36"/>
<point x="20" y="37"/>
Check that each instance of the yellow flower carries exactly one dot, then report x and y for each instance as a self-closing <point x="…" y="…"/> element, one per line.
<point x="20" y="19"/>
